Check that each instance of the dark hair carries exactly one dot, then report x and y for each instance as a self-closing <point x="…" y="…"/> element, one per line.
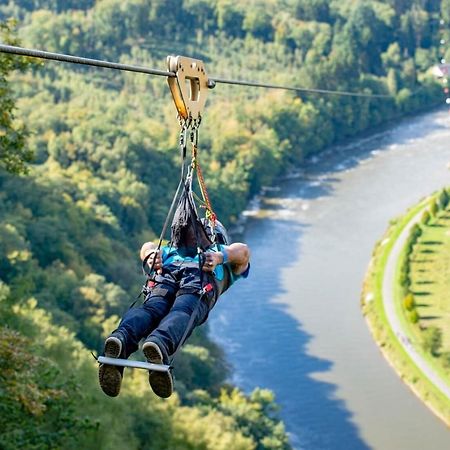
<point x="187" y="229"/>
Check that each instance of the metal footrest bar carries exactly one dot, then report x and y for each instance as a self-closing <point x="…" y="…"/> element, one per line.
<point x="133" y="364"/>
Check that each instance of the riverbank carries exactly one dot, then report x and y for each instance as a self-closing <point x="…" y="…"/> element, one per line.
<point x="253" y="207"/>
<point x="310" y="302"/>
<point x="395" y="344"/>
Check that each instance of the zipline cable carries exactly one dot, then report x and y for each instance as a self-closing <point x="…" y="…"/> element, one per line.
<point x="146" y="70"/>
<point x="80" y="60"/>
<point x="297" y="89"/>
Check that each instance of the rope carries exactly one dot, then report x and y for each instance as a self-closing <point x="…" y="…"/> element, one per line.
<point x="201" y="182"/>
<point x="140" y="69"/>
<point x="199" y="200"/>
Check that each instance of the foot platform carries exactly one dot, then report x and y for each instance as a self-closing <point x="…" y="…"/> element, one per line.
<point x="133" y="364"/>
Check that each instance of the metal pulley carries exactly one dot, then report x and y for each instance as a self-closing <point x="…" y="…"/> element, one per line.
<point x="189" y="87"/>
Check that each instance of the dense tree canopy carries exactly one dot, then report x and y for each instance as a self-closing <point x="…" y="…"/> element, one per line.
<point x="13" y="153"/>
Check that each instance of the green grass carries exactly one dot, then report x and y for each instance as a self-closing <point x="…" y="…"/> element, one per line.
<point x="429" y="272"/>
<point x="372" y="306"/>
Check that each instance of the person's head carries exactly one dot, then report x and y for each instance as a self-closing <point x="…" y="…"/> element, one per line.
<point x="187" y="230"/>
<point x="187" y="238"/>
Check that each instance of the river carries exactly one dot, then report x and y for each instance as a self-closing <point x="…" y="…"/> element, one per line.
<point x="295" y="326"/>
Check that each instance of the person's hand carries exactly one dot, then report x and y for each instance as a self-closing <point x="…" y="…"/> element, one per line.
<point x="212" y="259"/>
<point x="155" y="255"/>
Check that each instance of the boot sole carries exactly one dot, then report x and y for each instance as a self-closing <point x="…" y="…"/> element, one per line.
<point x="110" y="377"/>
<point x="160" y="382"/>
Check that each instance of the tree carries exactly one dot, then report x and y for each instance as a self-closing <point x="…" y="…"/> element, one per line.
<point x="409" y="303"/>
<point x="14" y="156"/>
<point x="230" y="18"/>
<point x="446" y="359"/>
<point x="415" y="233"/>
<point x="404" y="279"/>
<point x="366" y="34"/>
<point x="392" y="81"/>
<point x="434" y="208"/>
<point x="400" y="6"/>
<point x="258" y="21"/>
<point x="425" y="217"/>
<point x="443" y="199"/>
<point x="414" y="316"/>
<point x="432" y="340"/>
<point x="256" y="415"/>
<point x="310" y="10"/>
<point x="36" y="409"/>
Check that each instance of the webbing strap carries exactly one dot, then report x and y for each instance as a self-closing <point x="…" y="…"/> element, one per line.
<point x="182" y="145"/>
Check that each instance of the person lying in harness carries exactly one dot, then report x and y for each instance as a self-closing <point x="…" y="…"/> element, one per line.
<point x="178" y="299"/>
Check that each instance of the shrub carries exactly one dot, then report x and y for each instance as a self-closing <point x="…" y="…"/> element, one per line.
<point x="406" y="264"/>
<point x="425" y="217"/>
<point x="37" y="407"/>
<point x="443" y="199"/>
<point x="413" y="316"/>
<point x="404" y="280"/>
<point x="434" y="208"/>
<point x="410" y="247"/>
<point x="415" y="233"/>
<point x="446" y="359"/>
<point x="409" y="302"/>
<point x="432" y="340"/>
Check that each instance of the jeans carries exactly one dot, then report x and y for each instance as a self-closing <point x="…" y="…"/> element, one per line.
<point x="165" y="314"/>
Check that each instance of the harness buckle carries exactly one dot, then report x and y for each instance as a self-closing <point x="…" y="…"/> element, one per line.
<point x="207" y="288"/>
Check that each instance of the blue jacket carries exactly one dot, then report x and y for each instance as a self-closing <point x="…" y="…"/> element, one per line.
<point x="223" y="273"/>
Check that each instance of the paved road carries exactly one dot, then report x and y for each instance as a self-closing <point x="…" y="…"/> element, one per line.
<point x="389" y="306"/>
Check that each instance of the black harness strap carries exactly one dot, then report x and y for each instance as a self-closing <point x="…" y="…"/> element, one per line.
<point x="182" y="144"/>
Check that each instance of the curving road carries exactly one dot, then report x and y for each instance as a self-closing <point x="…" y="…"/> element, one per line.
<point x="389" y="307"/>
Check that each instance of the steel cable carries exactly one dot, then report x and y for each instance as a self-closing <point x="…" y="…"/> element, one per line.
<point x="146" y="70"/>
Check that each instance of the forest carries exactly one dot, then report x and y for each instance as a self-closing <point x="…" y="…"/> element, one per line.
<point x="89" y="163"/>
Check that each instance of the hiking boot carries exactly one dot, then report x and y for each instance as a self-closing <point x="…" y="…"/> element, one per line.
<point x="160" y="382"/>
<point x="110" y="377"/>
